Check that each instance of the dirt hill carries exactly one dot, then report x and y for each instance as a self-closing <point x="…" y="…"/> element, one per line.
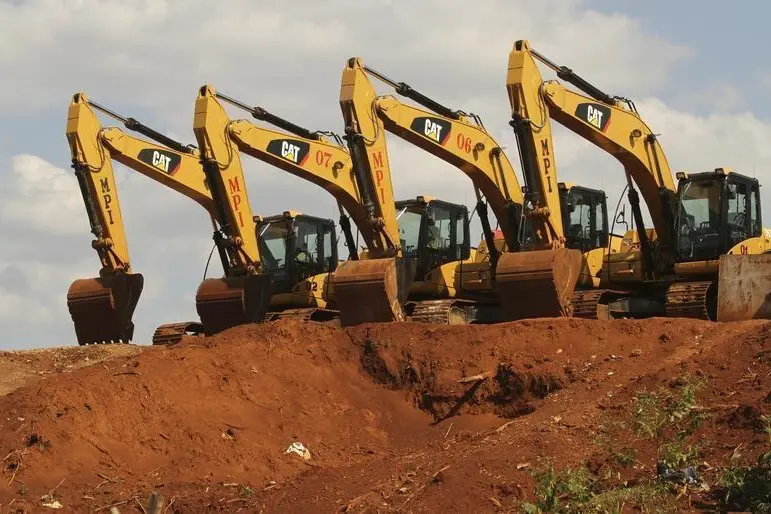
<point x="396" y="417"/>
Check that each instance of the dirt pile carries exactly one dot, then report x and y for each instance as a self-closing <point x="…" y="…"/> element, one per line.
<point x="409" y="416"/>
<point x="19" y="368"/>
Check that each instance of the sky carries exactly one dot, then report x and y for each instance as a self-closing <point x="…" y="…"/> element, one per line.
<point x="696" y="70"/>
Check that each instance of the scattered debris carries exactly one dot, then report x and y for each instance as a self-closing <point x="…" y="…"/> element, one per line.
<point x="299" y="448"/>
<point x="50" y="502"/>
<point x="687" y="475"/>
<point x="477" y="378"/>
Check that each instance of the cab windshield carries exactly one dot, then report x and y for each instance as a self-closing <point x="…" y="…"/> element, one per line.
<point x="274" y="246"/>
<point x="409" y="218"/>
<point x="699" y="220"/>
<point x="585" y="219"/>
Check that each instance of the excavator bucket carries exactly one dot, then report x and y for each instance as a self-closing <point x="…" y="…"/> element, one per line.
<point x="371" y="290"/>
<point x="537" y="284"/>
<point x="223" y="303"/>
<point x="744" y="287"/>
<point x="101" y="308"/>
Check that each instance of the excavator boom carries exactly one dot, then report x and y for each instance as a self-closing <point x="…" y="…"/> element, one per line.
<point x="467" y="146"/>
<point x="102" y="307"/>
<point x="373" y="289"/>
<point x="305" y="154"/>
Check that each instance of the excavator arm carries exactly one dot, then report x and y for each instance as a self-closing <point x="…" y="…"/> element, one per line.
<point x="376" y="288"/>
<point x="102" y="307"/>
<point x="612" y="124"/>
<point x="243" y="295"/>
<point x="367" y="145"/>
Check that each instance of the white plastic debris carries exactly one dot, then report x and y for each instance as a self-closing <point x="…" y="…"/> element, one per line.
<point x="299" y="449"/>
<point x="50" y="502"/>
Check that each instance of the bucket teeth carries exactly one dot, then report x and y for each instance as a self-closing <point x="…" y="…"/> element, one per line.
<point x="102" y="308"/>
<point x="537" y="283"/>
<point x="223" y="303"/>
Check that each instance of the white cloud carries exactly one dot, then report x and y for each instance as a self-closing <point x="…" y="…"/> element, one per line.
<point x="702" y="143"/>
<point x="157" y="53"/>
<point x="43" y="197"/>
<point x="17" y="308"/>
<point x="717" y="96"/>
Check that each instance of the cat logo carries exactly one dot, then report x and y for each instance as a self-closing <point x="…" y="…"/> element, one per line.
<point x="433" y="128"/>
<point x="596" y="115"/>
<point x="167" y="162"/>
<point x="161" y="161"/>
<point x="289" y="149"/>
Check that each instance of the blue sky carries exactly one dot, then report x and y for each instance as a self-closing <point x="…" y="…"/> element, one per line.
<point x="730" y="41"/>
<point x="698" y="71"/>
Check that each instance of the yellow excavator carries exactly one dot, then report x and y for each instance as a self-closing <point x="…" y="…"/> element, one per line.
<point x="316" y="158"/>
<point x="568" y="220"/>
<point x="451" y="281"/>
<point x="707" y="255"/>
<point x="299" y="252"/>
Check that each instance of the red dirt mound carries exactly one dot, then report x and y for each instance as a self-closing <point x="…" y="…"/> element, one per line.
<point x="397" y="416"/>
<point x="19" y="368"/>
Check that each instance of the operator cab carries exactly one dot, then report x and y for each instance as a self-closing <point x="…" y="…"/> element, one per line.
<point x="433" y="232"/>
<point x="584" y="217"/>
<point x="296" y="246"/>
<point x="716" y="211"/>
